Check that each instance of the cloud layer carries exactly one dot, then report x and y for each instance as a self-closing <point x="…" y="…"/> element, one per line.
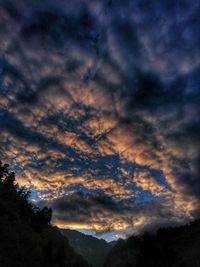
<point x="99" y="109"/>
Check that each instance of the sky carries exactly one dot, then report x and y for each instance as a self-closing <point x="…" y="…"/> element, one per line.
<point x="99" y="110"/>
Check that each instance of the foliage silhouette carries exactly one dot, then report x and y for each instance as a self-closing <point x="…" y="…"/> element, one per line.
<point x="169" y="247"/>
<point x="27" y="239"/>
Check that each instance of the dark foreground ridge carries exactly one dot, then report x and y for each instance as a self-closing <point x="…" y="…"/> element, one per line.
<point x="27" y="239"/>
<point x="94" y="250"/>
<point x="170" y="247"/>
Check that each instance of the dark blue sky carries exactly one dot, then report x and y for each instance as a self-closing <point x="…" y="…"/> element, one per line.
<point x="99" y="109"/>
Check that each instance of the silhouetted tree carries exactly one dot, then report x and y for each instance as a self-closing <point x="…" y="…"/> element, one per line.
<point x="27" y="238"/>
<point x="169" y="247"/>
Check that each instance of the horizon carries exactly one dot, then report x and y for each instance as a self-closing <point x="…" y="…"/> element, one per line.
<point x="108" y="237"/>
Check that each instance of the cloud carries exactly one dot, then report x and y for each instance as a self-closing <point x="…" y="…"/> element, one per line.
<point x="99" y="212"/>
<point x="101" y="102"/>
<point x="146" y="182"/>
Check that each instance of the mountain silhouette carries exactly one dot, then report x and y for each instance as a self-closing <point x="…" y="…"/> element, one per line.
<point x="94" y="250"/>
<point x="169" y="247"/>
<point x="27" y="237"/>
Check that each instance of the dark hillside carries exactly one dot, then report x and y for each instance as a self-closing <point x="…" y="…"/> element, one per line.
<point x="94" y="250"/>
<point x="170" y="247"/>
<point x="26" y="235"/>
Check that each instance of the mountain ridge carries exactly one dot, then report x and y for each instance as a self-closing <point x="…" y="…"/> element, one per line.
<point x="27" y="237"/>
<point x="92" y="249"/>
<point x="168" y="247"/>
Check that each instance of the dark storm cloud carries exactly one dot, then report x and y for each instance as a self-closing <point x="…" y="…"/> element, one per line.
<point x="101" y="95"/>
<point x="105" y="214"/>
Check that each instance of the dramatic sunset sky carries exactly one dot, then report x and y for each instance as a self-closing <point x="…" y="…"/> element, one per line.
<point x="100" y="110"/>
